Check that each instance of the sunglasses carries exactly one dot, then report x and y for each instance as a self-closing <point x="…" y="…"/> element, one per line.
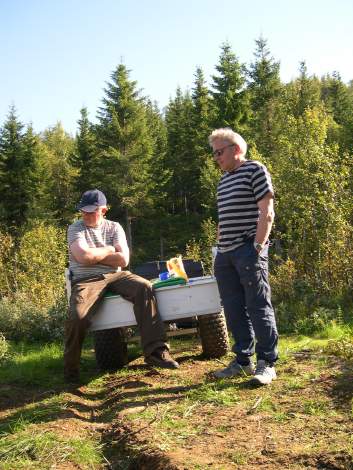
<point x="217" y="153"/>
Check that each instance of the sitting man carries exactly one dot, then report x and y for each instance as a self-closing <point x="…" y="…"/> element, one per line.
<point x="97" y="252"/>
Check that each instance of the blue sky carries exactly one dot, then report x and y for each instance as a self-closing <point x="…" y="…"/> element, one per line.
<point x="56" y="56"/>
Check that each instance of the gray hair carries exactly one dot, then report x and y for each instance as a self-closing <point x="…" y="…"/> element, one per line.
<point x="227" y="134"/>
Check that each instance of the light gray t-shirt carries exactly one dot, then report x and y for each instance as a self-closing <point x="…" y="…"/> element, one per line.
<point x="107" y="233"/>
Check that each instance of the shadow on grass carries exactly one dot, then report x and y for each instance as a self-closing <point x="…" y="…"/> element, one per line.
<point x="342" y="390"/>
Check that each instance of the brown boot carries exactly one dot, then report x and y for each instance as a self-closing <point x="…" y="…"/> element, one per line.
<point x="160" y="357"/>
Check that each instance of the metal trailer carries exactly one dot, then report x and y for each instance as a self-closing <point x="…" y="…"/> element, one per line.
<point x="197" y="299"/>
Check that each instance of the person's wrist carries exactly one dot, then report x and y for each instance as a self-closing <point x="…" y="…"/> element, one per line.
<point x="258" y="246"/>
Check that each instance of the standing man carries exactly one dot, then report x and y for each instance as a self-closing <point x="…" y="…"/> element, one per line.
<point x="97" y="252"/>
<point x="245" y="212"/>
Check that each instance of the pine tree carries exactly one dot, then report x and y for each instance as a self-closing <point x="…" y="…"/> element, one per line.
<point x="303" y="93"/>
<point x="181" y="160"/>
<point x="85" y="155"/>
<point x="58" y="196"/>
<point x="160" y="175"/>
<point x="230" y="95"/>
<point x="207" y="174"/>
<point x="17" y="171"/>
<point x="339" y="102"/>
<point x="126" y="148"/>
<point x="265" y="87"/>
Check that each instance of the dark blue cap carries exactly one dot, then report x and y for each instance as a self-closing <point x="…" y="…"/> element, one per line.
<point x="91" y="200"/>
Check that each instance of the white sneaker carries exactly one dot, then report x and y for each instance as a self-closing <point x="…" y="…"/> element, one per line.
<point x="264" y="373"/>
<point x="235" y="369"/>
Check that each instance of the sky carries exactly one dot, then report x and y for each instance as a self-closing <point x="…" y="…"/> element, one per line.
<point x="57" y="56"/>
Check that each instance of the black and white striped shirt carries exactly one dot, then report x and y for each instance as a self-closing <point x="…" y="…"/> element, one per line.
<point x="237" y="196"/>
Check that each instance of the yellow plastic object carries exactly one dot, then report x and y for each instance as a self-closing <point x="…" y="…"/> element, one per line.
<point x="175" y="267"/>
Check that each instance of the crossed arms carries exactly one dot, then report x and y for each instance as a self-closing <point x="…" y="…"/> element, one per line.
<point x="114" y="256"/>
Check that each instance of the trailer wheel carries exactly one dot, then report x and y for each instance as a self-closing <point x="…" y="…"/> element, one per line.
<point x="214" y="335"/>
<point x="110" y="348"/>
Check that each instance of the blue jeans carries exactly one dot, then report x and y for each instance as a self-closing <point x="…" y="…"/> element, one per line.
<point x="242" y="278"/>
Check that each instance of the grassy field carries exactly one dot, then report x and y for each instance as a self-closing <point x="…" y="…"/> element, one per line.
<point x="143" y="418"/>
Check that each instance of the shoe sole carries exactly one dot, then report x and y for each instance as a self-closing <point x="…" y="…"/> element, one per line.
<point x="162" y="366"/>
<point x="255" y="381"/>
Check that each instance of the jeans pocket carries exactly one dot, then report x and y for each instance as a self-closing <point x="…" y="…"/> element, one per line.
<point x="253" y="275"/>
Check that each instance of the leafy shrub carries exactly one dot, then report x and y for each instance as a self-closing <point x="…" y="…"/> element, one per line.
<point x="21" y="319"/>
<point x="201" y="250"/>
<point x="4" y="347"/>
<point x="6" y="263"/>
<point x="41" y="260"/>
<point x="316" y="320"/>
<point x="342" y="347"/>
<point x="32" y="286"/>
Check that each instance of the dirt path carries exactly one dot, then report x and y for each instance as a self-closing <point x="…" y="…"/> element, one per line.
<point x="186" y="420"/>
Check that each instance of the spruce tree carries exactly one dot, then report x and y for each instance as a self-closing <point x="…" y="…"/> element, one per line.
<point x="207" y="174"/>
<point x="181" y="160"/>
<point x="84" y="157"/>
<point x="17" y="171"/>
<point x="125" y="147"/>
<point x="229" y="92"/>
<point x="265" y="88"/>
<point x="339" y="102"/>
<point x="303" y="93"/>
<point x="58" y="195"/>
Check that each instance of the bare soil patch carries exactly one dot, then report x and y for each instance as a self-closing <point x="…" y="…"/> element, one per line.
<point x="186" y="420"/>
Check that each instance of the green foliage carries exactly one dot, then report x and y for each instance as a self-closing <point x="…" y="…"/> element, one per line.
<point x="57" y="198"/>
<point x="17" y="171"/>
<point x="230" y="96"/>
<point x="161" y="181"/>
<point x="342" y="347"/>
<point x="181" y="160"/>
<point x="21" y="318"/>
<point x="33" y="303"/>
<point x="265" y="89"/>
<point x="313" y="209"/>
<point x="41" y="260"/>
<point x="126" y="146"/>
<point x="201" y="250"/>
<point x="4" y="347"/>
<point x="29" y="446"/>
<point x="84" y="156"/>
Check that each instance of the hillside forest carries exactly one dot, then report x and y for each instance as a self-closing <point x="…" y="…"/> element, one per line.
<point x="156" y="168"/>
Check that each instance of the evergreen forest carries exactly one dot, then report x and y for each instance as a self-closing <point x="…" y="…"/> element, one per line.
<point x="156" y="169"/>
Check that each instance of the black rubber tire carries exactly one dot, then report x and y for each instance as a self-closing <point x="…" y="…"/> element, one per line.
<point x="111" y="349"/>
<point x="214" y="335"/>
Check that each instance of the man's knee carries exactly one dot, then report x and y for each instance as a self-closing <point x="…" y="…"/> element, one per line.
<point x="143" y="284"/>
<point x="75" y="324"/>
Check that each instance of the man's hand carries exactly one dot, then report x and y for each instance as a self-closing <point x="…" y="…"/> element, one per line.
<point x="265" y="221"/>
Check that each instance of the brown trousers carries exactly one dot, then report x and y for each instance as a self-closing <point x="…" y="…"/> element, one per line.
<point x="86" y="296"/>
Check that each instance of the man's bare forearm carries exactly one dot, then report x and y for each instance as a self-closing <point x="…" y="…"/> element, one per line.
<point x="95" y="255"/>
<point x="115" y="260"/>
<point x="264" y="226"/>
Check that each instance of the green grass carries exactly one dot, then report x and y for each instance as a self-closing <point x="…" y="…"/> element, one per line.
<point x="41" y="364"/>
<point x="219" y="393"/>
<point x="172" y="408"/>
<point x="40" y="412"/>
<point x="35" y="448"/>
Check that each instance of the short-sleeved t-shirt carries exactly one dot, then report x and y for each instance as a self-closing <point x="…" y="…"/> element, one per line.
<point x="107" y="233"/>
<point x="237" y="195"/>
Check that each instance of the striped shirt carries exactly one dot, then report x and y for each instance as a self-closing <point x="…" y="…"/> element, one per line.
<point x="237" y="195"/>
<point x="107" y="233"/>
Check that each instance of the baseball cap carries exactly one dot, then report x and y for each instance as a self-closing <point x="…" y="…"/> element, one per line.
<point x="91" y="200"/>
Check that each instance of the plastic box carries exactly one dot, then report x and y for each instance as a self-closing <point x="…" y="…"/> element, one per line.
<point x="199" y="296"/>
